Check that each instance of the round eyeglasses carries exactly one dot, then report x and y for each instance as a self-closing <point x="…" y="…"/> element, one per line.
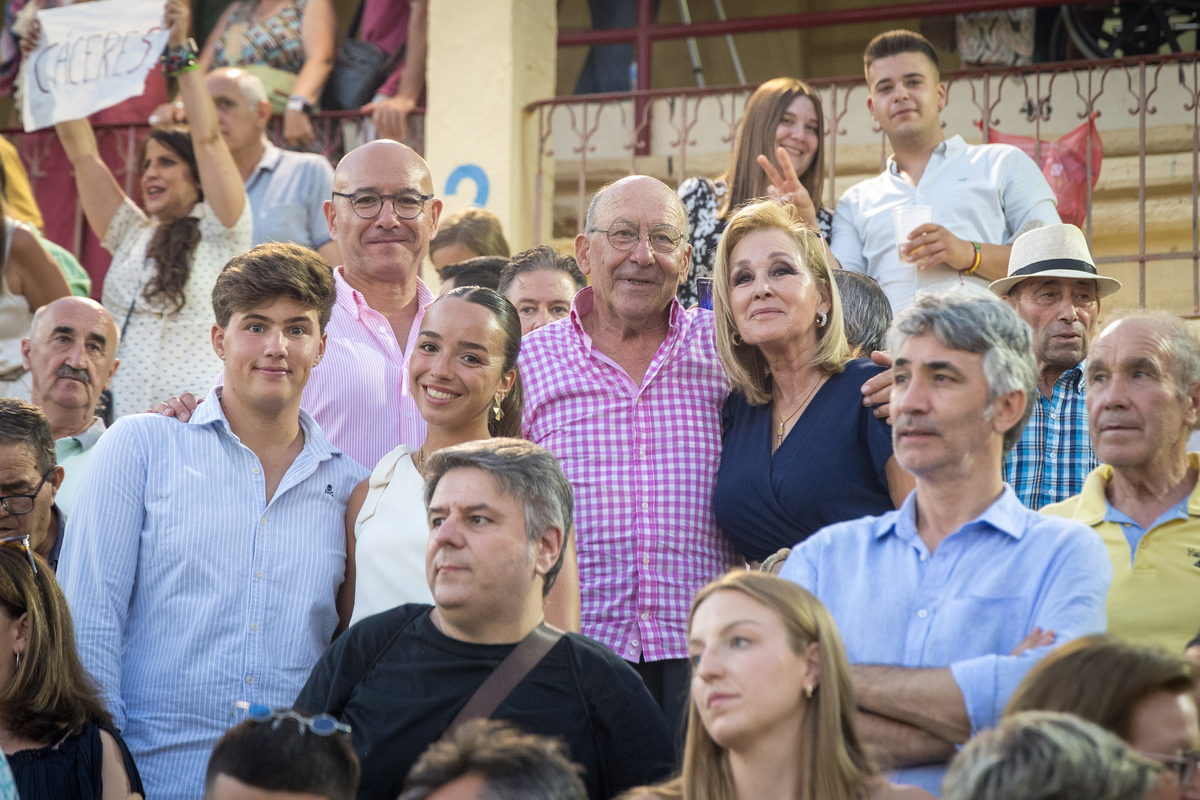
<point x="1184" y="767"/>
<point x="321" y="724"/>
<point x="407" y="205"/>
<point x="626" y="235"/>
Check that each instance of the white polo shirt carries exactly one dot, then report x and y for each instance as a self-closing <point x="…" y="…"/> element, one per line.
<point x="988" y="193"/>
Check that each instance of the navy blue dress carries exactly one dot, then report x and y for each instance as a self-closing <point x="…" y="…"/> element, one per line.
<point x="830" y="467"/>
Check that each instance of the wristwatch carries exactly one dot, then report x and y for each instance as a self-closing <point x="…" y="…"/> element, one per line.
<point x="299" y="102"/>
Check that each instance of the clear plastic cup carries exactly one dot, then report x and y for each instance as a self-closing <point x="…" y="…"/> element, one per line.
<point x="905" y="219"/>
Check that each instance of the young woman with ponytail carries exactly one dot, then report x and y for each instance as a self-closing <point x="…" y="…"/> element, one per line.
<point x="463" y="377"/>
<point x="167" y="257"/>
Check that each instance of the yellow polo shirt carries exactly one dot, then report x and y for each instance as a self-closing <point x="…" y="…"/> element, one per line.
<point x="1155" y="595"/>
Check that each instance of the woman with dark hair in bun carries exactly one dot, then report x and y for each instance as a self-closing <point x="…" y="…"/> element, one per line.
<point x="463" y="376"/>
<point x="166" y="258"/>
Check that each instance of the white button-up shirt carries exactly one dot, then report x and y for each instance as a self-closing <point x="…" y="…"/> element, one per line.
<point x="988" y="193"/>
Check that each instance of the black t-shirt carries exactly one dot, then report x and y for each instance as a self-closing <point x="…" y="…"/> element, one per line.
<point x="398" y="682"/>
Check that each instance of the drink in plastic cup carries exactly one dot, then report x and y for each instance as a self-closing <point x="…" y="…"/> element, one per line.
<point x="907" y="218"/>
<point x="704" y="291"/>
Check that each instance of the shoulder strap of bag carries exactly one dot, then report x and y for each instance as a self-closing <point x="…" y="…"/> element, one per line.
<point x="512" y="670"/>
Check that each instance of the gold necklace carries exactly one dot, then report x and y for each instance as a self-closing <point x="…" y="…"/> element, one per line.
<point x="421" y="459"/>
<point x="779" y="432"/>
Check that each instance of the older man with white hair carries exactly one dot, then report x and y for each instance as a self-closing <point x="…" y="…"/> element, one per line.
<point x="1143" y="400"/>
<point x="627" y="392"/>
<point x="287" y="190"/>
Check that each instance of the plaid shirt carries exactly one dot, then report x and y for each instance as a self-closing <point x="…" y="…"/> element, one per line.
<point x="642" y="461"/>
<point x="1054" y="454"/>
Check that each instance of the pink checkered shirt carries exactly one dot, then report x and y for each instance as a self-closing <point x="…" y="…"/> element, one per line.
<point x="359" y="393"/>
<point x="642" y="461"/>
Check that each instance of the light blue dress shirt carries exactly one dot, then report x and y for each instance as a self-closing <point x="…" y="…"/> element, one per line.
<point x="966" y="605"/>
<point x="989" y="193"/>
<point x="190" y="592"/>
<point x="287" y="193"/>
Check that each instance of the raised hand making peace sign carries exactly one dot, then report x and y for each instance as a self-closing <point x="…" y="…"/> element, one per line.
<point x="787" y="188"/>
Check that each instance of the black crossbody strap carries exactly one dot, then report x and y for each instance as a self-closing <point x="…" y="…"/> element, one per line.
<point x="512" y="670"/>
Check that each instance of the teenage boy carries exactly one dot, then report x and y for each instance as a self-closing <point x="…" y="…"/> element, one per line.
<point x="982" y="196"/>
<point x="207" y="556"/>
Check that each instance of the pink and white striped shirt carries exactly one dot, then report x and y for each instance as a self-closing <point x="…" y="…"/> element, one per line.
<point x="359" y="392"/>
<point x="642" y="461"/>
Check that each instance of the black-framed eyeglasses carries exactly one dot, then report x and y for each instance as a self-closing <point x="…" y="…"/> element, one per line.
<point x="1183" y="767"/>
<point x="22" y="541"/>
<point x="408" y="205"/>
<point x="626" y="235"/>
<point x="23" y="503"/>
<point x="321" y="724"/>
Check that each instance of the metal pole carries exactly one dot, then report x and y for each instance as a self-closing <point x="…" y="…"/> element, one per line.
<point x="685" y="14"/>
<point x="733" y="53"/>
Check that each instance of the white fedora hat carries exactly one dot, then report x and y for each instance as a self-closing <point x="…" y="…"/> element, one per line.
<point x="1052" y="251"/>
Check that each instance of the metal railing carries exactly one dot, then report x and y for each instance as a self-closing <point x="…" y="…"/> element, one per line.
<point x="1147" y="110"/>
<point x="337" y="132"/>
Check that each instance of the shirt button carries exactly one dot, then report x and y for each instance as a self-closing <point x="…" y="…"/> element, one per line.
<point x="382" y="329"/>
<point x="262" y="521"/>
<point x="1054" y="416"/>
<point x="1053" y="454"/>
<point x="256" y="470"/>
<point x="645" y="615"/>
<point x="924" y="557"/>
<point x="254" y="626"/>
<point x="258" y="574"/>
<point x="634" y="642"/>
<point x="249" y="679"/>
<point x="632" y="648"/>
<point x="922" y="613"/>
<point x="645" y="506"/>
<point x="646" y="560"/>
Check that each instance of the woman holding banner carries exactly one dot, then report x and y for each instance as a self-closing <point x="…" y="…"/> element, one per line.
<point x="167" y="257"/>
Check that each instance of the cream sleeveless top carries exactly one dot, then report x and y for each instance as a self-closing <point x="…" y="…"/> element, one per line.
<point x="390" y="535"/>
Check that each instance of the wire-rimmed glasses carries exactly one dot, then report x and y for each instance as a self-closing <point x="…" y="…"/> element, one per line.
<point x="321" y="724"/>
<point x="663" y="238"/>
<point x="1184" y="767"/>
<point x="366" y="204"/>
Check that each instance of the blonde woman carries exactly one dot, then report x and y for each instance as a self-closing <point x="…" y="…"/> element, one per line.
<point x="771" y="708"/>
<point x="800" y="451"/>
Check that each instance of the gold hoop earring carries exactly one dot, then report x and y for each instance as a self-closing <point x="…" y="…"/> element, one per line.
<point x="822" y="319"/>
<point x="808" y="690"/>
<point x="737" y="340"/>
<point x="497" y="411"/>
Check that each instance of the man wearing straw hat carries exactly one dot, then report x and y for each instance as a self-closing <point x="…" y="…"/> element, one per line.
<point x="1053" y="285"/>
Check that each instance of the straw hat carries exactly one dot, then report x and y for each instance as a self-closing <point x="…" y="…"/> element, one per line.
<point x="1052" y="251"/>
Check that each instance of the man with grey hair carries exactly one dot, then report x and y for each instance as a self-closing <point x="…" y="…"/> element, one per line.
<point x="500" y="513"/>
<point x="29" y="479"/>
<point x="866" y="311"/>
<point x="1143" y="400"/>
<point x="627" y="392"/>
<point x="71" y="355"/>
<point x="947" y="602"/>
<point x="1045" y="755"/>
<point x="287" y="190"/>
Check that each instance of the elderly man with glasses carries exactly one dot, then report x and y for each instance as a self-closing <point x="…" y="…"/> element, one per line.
<point x="29" y="479"/>
<point x="382" y="215"/>
<point x="627" y="392"/>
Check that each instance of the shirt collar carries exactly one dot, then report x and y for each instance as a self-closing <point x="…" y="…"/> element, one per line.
<point x="946" y="148"/>
<point x="585" y="302"/>
<point x="88" y="438"/>
<point x="210" y="413"/>
<point x="1093" y="506"/>
<point x="1006" y="515"/>
<point x="352" y="299"/>
<point x="269" y="162"/>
